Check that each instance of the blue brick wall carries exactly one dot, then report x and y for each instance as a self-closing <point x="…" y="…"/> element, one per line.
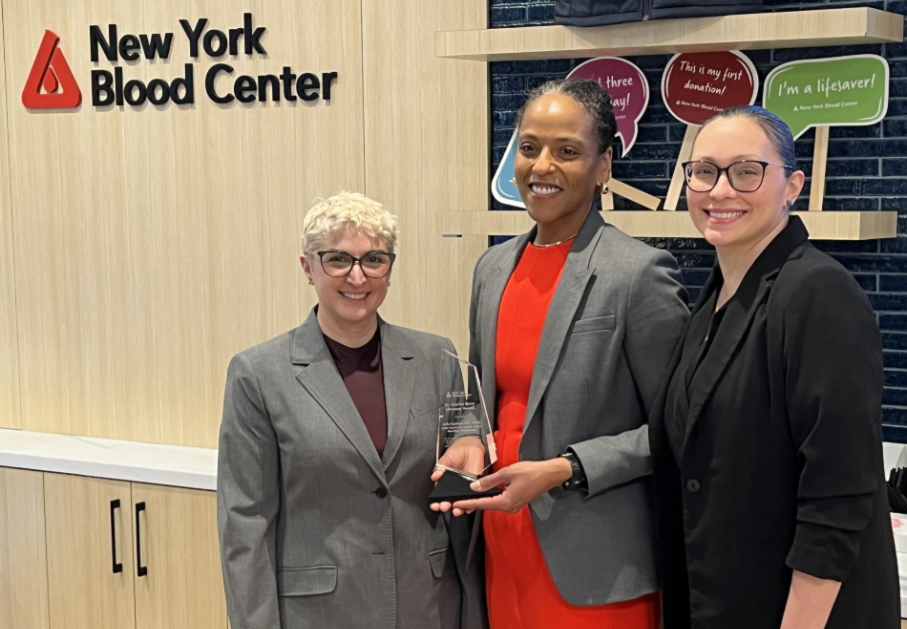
<point x="867" y="170"/>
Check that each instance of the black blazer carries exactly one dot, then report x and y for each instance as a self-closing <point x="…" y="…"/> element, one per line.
<point x="781" y="464"/>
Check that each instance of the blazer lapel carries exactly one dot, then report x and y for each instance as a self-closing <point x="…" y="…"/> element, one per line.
<point x="399" y="385"/>
<point x="320" y="377"/>
<point x="490" y="303"/>
<point x="566" y="300"/>
<point x="737" y="318"/>
<point x="740" y="310"/>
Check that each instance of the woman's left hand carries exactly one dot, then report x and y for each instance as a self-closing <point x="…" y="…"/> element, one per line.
<point x="523" y="482"/>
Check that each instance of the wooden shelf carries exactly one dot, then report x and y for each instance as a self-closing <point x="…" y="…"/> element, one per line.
<point x="829" y="225"/>
<point x="796" y="29"/>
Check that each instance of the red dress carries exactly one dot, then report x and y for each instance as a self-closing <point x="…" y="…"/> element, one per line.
<point x="521" y="593"/>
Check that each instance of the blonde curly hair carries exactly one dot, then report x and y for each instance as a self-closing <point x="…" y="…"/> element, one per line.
<point x="329" y="217"/>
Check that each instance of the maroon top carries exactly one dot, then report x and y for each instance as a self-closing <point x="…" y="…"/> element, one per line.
<point x="360" y="368"/>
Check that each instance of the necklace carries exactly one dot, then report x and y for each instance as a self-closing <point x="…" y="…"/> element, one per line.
<point x="554" y="244"/>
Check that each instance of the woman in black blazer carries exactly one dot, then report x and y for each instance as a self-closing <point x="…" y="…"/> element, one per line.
<point x="766" y="439"/>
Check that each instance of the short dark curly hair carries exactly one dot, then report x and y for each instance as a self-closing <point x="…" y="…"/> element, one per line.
<point x="588" y="93"/>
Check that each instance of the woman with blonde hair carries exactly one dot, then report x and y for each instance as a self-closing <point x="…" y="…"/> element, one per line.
<point x="325" y="447"/>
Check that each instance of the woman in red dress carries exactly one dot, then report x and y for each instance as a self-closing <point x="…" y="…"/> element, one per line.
<point x="572" y="326"/>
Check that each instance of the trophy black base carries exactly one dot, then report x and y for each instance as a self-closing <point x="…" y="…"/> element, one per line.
<point x="452" y="487"/>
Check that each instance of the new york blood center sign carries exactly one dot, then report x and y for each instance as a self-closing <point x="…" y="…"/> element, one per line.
<point x="696" y="86"/>
<point x="51" y="85"/>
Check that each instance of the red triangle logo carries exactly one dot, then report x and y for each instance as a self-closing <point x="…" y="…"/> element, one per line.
<point x="51" y="72"/>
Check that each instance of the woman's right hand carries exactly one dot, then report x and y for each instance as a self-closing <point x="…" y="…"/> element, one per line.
<point x="466" y="454"/>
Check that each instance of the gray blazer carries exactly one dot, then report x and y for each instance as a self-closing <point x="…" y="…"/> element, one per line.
<point x="614" y="320"/>
<point x="316" y="530"/>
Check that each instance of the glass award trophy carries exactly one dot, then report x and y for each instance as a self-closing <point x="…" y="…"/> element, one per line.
<point x="461" y="414"/>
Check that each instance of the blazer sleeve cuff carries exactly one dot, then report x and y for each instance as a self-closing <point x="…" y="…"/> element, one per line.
<point x="614" y="460"/>
<point x="823" y="552"/>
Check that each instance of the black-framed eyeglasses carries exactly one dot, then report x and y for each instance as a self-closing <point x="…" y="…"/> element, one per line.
<point x="338" y="263"/>
<point x="743" y="176"/>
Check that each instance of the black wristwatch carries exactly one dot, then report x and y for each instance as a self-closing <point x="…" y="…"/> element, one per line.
<point x="578" y="480"/>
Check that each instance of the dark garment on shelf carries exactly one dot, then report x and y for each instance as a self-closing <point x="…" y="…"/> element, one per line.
<point x="360" y="368"/>
<point x="607" y="12"/>
<point x="767" y="449"/>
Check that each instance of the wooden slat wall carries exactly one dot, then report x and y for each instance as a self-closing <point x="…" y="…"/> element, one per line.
<point x="153" y="245"/>
<point x="9" y="350"/>
<point x="426" y="130"/>
<point x="150" y="246"/>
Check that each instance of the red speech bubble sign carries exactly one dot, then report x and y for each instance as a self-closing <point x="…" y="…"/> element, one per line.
<point x="696" y="86"/>
<point x="628" y="88"/>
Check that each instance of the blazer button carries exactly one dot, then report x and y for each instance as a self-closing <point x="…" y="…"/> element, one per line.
<point x="381" y="492"/>
<point x="693" y="485"/>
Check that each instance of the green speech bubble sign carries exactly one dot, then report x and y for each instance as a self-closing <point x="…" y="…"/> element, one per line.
<point x="843" y="91"/>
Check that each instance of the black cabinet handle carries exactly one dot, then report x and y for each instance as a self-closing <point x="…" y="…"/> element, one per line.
<point x="141" y="570"/>
<point x="114" y="505"/>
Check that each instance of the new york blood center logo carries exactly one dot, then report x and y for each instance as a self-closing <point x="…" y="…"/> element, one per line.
<point x="50" y="83"/>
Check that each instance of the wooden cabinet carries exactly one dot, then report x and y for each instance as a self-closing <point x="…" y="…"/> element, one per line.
<point x="87" y="553"/>
<point x="183" y="586"/>
<point x="23" y="562"/>
<point x="85" y="516"/>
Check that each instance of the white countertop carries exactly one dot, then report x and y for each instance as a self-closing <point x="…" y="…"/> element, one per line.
<point x="176" y="466"/>
<point x="156" y="464"/>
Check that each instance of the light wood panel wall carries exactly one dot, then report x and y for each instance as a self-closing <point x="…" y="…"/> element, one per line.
<point x="23" y="552"/>
<point x="426" y="129"/>
<point x="9" y="350"/>
<point x="152" y="244"/>
<point x="155" y="243"/>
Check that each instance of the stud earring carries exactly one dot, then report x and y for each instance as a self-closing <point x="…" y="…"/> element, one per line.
<point x="513" y="181"/>
<point x="311" y="283"/>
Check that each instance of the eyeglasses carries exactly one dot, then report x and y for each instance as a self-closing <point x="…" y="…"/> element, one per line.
<point x="373" y="263"/>
<point x="743" y="176"/>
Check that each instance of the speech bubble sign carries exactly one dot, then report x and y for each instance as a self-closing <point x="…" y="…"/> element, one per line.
<point x="628" y="89"/>
<point x="696" y="86"/>
<point x="503" y="184"/>
<point x="836" y="92"/>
